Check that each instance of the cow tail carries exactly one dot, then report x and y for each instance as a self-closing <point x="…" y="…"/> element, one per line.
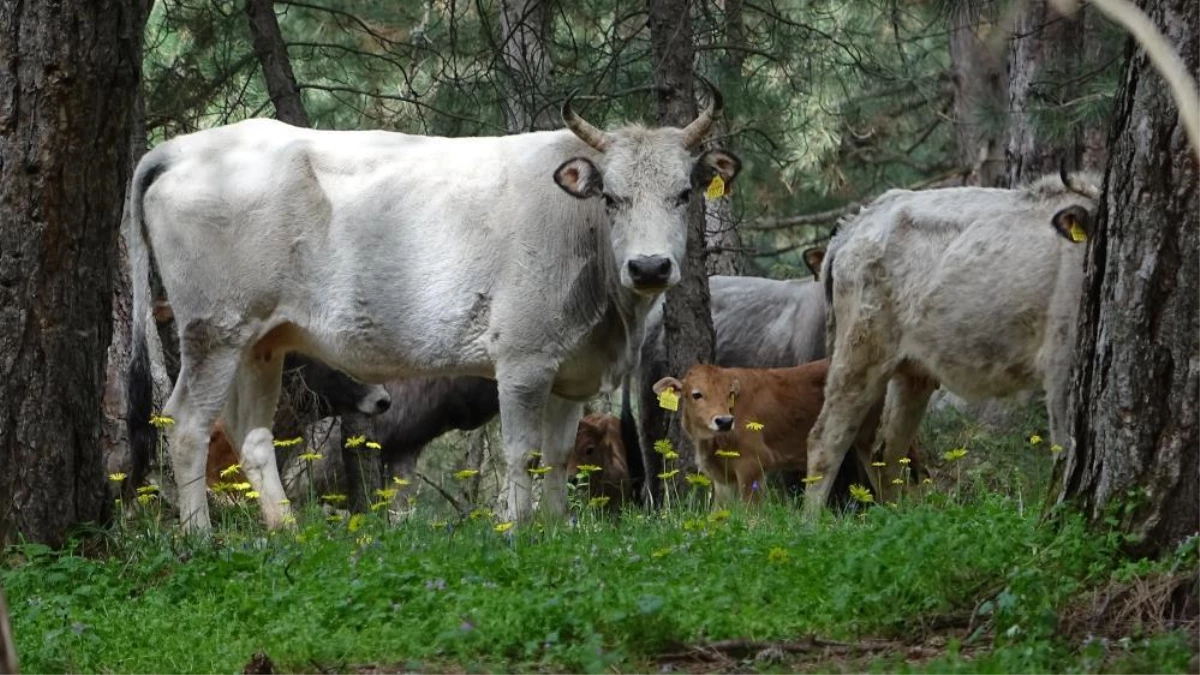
<point x="139" y="392"/>
<point x="633" y="447"/>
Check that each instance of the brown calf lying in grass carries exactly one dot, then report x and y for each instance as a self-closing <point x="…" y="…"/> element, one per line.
<point x="747" y="421"/>
<point x="598" y="443"/>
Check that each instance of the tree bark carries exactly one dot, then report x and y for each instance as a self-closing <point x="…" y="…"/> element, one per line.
<point x="687" y="322"/>
<point x="720" y="228"/>
<point x="977" y="62"/>
<point x="271" y="51"/>
<point x="1133" y="402"/>
<point x="524" y="25"/>
<point x="68" y="78"/>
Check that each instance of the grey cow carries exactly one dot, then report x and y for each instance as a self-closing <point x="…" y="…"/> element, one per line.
<point x="973" y="288"/>
<point x="530" y="258"/>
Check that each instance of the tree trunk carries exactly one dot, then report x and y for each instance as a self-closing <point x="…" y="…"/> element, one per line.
<point x="68" y="78"/>
<point x="978" y="66"/>
<point x="1133" y="402"/>
<point x="687" y="322"/>
<point x="271" y="51"/>
<point x="524" y="25"/>
<point x="720" y="229"/>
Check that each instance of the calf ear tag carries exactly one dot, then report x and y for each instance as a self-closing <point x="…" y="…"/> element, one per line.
<point x="668" y="400"/>
<point x="716" y="188"/>
<point x="1077" y="232"/>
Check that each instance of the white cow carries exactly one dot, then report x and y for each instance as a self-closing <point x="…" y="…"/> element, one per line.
<point x="974" y="288"/>
<point x="389" y="255"/>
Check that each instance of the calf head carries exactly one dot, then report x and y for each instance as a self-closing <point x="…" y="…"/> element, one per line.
<point x="708" y="395"/>
<point x="647" y="178"/>
<point x="598" y="443"/>
<point x="333" y="392"/>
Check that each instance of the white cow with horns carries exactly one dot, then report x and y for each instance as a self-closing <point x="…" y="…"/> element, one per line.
<point x="530" y="258"/>
<point x="973" y="288"/>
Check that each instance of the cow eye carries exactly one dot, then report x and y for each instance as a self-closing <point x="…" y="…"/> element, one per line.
<point x="697" y="394"/>
<point x="589" y="450"/>
<point x="684" y="197"/>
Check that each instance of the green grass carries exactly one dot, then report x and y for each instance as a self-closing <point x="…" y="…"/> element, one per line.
<point x="968" y="571"/>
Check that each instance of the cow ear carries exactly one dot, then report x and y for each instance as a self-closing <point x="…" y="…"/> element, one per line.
<point x="667" y="383"/>
<point x="716" y="163"/>
<point x="1074" y="223"/>
<point x="579" y="178"/>
<point x="813" y="257"/>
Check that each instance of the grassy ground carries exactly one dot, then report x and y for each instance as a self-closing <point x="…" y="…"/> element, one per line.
<point x="959" y="577"/>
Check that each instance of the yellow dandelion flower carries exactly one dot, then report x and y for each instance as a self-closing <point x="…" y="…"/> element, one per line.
<point x="596" y="502"/>
<point x="333" y="499"/>
<point x="588" y="468"/>
<point x="698" y="479"/>
<point x="373" y="445"/>
<point x="230" y="470"/>
<point x="146" y="498"/>
<point x="1056" y="448"/>
<point x="728" y="453"/>
<point x="311" y="456"/>
<point x="659" y="553"/>
<point x="663" y="445"/>
<point x="503" y="527"/>
<point x="719" y="516"/>
<point x="861" y="493"/>
<point x="116" y="477"/>
<point x="289" y="519"/>
<point x="364" y="540"/>
<point x="670" y="454"/>
<point x="147" y="489"/>
<point x="289" y="442"/>
<point x="905" y="461"/>
<point x="240" y="487"/>
<point x="117" y="503"/>
<point x="878" y="464"/>
<point x="386" y="493"/>
<point x="809" y="480"/>
<point x="480" y="513"/>
<point x="536" y="454"/>
<point x="284" y="502"/>
<point x="954" y="455"/>
<point x="252" y="494"/>
<point x="897" y="481"/>
<point x="437" y="524"/>
<point x="927" y="481"/>
<point x="1035" y="440"/>
<point x="754" y="426"/>
<point x="375" y="506"/>
<point x="465" y="474"/>
<point x="539" y="470"/>
<point x="356" y="522"/>
<point x="400" y="481"/>
<point x="778" y="555"/>
<point x="162" y="421"/>
<point x="335" y="518"/>
<point x="355" y="441"/>
<point x="668" y="474"/>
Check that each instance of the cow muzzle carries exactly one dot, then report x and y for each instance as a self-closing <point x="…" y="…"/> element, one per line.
<point x="722" y="423"/>
<point x="650" y="273"/>
<point x="375" y="402"/>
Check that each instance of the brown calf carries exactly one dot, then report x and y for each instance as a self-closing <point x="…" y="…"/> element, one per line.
<point x="598" y="443"/>
<point x="722" y="408"/>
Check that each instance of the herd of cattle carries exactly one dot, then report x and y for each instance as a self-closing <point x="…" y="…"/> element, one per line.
<point x="522" y="275"/>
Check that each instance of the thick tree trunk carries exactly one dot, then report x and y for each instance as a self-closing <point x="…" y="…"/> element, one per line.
<point x="271" y="51"/>
<point x="524" y="25"/>
<point x="977" y="61"/>
<point x="687" y="323"/>
<point x="1134" y="413"/>
<point x="68" y="78"/>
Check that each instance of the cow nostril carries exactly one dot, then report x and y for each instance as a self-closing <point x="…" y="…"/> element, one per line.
<point x="652" y="270"/>
<point x="383" y="404"/>
<point x="724" y="423"/>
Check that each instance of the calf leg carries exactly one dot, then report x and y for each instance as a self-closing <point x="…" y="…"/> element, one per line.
<point x="907" y="396"/>
<point x="249" y="413"/>
<point x="524" y="390"/>
<point x="561" y="423"/>
<point x="208" y="365"/>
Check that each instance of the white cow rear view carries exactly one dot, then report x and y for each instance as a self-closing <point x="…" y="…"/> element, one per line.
<point x="389" y="255"/>
<point x="973" y="288"/>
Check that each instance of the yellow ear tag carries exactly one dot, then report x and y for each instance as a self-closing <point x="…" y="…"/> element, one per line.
<point x="716" y="189"/>
<point x="1077" y="233"/>
<point x="668" y="400"/>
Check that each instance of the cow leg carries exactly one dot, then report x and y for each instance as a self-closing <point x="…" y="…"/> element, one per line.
<point x="249" y="414"/>
<point x="523" y="395"/>
<point x="208" y="365"/>
<point x="907" y="396"/>
<point x="849" y="396"/>
<point x="561" y="424"/>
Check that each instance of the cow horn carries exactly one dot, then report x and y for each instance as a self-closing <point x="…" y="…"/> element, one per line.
<point x="581" y="128"/>
<point x="694" y="132"/>
<point x="1070" y="184"/>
